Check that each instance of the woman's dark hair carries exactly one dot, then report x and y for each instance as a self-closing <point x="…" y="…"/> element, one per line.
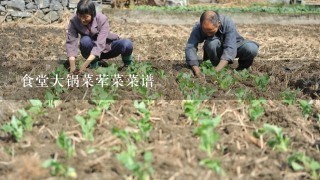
<point x="86" y="7"/>
<point x="210" y="15"/>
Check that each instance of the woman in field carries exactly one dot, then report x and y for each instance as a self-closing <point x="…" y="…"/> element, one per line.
<point x="97" y="43"/>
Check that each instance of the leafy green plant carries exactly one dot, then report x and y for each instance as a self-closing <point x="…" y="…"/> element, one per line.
<point x="105" y="104"/>
<point x="306" y="108"/>
<point x="225" y="79"/>
<point x="50" y="99"/>
<point x="278" y="141"/>
<point x="59" y="169"/>
<point x="103" y="93"/>
<point x="25" y="119"/>
<point x="289" y="97"/>
<point x="261" y="81"/>
<point x="242" y="94"/>
<point x="214" y="165"/>
<point x="122" y="134"/>
<point x="143" y="123"/>
<point x="226" y="82"/>
<point x="65" y="143"/>
<point x="206" y="132"/>
<point x="87" y="126"/>
<point x="242" y="75"/>
<point x="141" y="170"/>
<point x="161" y="74"/>
<point x="299" y="161"/>
<point x="147" y="94"/>
<point x="192" y="90"/>
<point x="207" y="69"/>
<point x="255" y="109"/>
<point x="191" y="109"/>
<point x="141" y="68"/>
<point x="36" y="106"/>
<point x="56" y="87"/>
<point x="110" y="70"/>
<point x="15" y="128"/>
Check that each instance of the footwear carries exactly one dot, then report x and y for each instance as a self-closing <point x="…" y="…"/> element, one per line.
<point x="127" y="60"/>
<point x="123" y="68"/>
<point x="94" y="64"/>
<point x="66" y="64"/>
<point x="102" y="63"/>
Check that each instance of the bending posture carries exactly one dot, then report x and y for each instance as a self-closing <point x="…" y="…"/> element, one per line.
<point x="222" y="43"/>
<point x="96" y="41"/>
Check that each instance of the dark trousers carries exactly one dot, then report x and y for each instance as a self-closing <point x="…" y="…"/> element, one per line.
<point x="120" y="46"/>
<point x="246" y="52"/>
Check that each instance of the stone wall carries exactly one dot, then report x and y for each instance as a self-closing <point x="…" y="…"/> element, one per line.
<point x="45" y="11"/>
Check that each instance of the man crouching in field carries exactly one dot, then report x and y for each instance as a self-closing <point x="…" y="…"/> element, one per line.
<point x="222" y="43"/>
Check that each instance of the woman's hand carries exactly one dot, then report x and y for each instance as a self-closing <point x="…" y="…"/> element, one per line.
<point x="87" y="62"/>
<point x="72" y="62"/>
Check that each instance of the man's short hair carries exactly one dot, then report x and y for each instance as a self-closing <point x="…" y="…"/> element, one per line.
<point x="86" y="7"/>
<point x="212" y="16"/>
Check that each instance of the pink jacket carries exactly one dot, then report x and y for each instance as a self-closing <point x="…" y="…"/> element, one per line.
<point x="98" y="30"/>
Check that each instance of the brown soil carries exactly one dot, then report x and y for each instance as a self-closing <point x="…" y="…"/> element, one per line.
<point x="288" y="53"/>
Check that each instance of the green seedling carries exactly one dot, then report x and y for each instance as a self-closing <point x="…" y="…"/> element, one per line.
<point x="162" y="74"/>
<point x="15" y="128"/>
<point x="56" y="86"/>
<point x="59" y="169"/>
<point x="60" y="71"/>
<point x="143" y="123"/>
<point x="50" y="99"/>
<point x="140" y="69"/>
<point x="192" y="90"/>
<point x="65" y="143"/>
<point x="243" y="75"/>
<point x="261" y="81"/>
<point x="202" y="92"/>
<point x="206" y="132"/>
<point x="289" y="97"/>
<point x="207" y="69"/>
<point x="87" y="126"/>
<point x="110" y="70"/>
<point x="36" y="106"/>
<point x="141" y="170"/>
<point x="278" y="141"/>
<point x="306" y="108"/>
<point x="318" y="117"/>
<point x="147" y="94"/>
<point x="103" y="93"/>
<point x="105" y="104"/>
<point x="300" y="162"/>
<point x="214" y="165"/>
<point x="255" y="109"/>
<point x="127" y="158"/>
<point x="122" y="134"/>
<point x="191" y="109"/>
<point x="25" y="119"/>
<point x="226" y="81"/>
<point x="242" y="94"/>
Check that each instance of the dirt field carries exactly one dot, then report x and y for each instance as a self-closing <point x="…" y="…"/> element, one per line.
<point x="289" y="54"/>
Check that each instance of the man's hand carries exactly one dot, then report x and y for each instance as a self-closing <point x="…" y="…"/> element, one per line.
<point x="197" y="72"/>
<point x="222" y="64"/>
